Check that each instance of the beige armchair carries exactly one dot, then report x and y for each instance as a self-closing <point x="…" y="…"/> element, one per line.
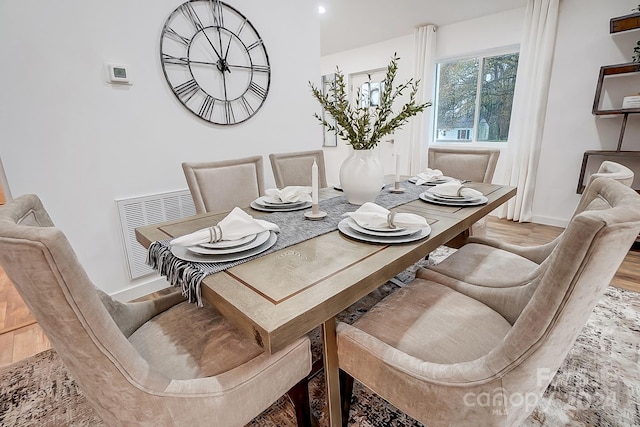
<point x="466" y="163"/>
<point x="163" y="362"/>
<point x="221" y="186"/>
<point x="539" y="253"/>
<point x="295" y="168"/>
<point x="449" y="358"/>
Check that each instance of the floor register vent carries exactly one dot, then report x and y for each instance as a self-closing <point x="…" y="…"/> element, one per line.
<point x="146" y="210"/>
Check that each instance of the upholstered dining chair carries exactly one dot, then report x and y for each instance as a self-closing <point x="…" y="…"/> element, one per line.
<point x="163" y="362"/>
<point x="222" y="185"/>
<point x="465" y="163"/>
<point x="539" y="253"/>
<point x="295" y="168"/>
<point x="449" y="357"/>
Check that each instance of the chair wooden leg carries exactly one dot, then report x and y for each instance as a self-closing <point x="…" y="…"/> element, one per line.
<point x="299" y="395"/>
<point x="346" y="390"/>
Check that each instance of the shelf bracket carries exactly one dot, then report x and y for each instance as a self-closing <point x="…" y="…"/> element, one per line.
<point x="622" y="129"/>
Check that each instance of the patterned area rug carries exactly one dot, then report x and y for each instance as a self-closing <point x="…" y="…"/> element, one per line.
<point x="598" y="384"/>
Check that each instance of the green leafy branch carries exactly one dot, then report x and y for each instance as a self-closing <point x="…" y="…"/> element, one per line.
<point x="361" y="126"/>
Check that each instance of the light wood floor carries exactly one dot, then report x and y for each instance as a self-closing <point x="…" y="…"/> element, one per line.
<point x="21" y="337"/>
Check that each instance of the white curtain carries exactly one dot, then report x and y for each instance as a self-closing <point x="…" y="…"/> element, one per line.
<point x="425" y="50"/>
<point x="530" y="105"/>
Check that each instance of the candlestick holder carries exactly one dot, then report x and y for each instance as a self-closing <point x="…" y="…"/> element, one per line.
<point x="315" y="213"/>
<point x="397" y="188"/>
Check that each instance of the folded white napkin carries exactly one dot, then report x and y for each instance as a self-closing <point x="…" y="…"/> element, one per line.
<point x="290" y="194"/>
<point x="454" y="188"/>
<point x="234" y="226"/>
<point x="428" y="175"/>
<point x="375" y="216"/>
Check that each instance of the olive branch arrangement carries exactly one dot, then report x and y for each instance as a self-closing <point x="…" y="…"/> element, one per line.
<point x="364" y="127"/>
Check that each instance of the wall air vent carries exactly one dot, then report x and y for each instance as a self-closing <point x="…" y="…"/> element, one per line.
<point x="146" y="210"/>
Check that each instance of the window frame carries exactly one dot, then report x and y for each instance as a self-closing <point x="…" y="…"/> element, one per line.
<point x="480" y="55"/>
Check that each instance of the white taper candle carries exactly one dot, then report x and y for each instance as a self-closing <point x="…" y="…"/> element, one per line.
<point x="314" y="183"/>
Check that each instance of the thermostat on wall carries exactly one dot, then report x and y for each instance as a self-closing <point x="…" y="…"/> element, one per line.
<point x="117" y="74"/>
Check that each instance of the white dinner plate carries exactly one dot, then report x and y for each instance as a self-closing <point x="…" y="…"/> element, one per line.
<point x="270" y="201"/>
<point x="260" y="238"/>
<point x="431" y="199"/>
<point x="389" y="232"/>
<point x="345" y="229"/>
<point x="259" y="207"/>
<point x="184" y="254"/>
<point x="229" y="243"/>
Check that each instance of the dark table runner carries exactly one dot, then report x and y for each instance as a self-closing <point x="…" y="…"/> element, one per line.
<point x="294" y="228"/>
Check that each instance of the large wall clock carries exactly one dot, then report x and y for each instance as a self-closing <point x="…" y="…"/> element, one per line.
<point x="215" y="61"/>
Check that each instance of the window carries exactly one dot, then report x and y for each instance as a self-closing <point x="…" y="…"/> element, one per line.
<point x="474" y="98"/>
<point x="370" y="94"/>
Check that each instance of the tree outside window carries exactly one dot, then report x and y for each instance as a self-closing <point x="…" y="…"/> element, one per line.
<point x="474" y="102"/>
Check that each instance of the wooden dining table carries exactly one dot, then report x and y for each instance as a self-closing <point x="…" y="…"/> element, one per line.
<point x="285" y="294"/>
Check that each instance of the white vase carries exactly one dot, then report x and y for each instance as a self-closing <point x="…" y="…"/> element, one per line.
<point x="361" y="176"/>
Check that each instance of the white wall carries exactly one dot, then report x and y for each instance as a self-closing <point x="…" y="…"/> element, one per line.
<point x="583" y="45"/>
<point x="80" y="143"/>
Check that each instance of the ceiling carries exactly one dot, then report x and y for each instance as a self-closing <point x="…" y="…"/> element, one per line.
<point x="348" y="24"/>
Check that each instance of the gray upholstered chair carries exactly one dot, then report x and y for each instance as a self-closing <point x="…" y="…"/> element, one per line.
<point x="220" y="186"/>
<point x="295" y="168"/>
<point x="446" y="358"/>
<point x="465" y="163"/>
<point x="164" y="362"/>
<point x="473" y="164"/>
<point x="539" y="253"/>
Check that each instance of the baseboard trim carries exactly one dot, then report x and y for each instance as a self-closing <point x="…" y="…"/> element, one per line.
<point x="545" y="220"/>
<point x="141" y="289"/>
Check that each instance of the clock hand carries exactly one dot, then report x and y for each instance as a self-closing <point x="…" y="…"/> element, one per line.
<point x="218" y="20"/>
<point x="213" y="47"/>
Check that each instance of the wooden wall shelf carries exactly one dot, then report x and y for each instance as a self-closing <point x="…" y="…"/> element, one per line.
<point x="612" y="70"/>
<point x="617" y="25"/>
<point x="624" y="23"/>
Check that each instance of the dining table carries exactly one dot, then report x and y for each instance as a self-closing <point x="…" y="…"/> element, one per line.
<point x="287" y="292"/>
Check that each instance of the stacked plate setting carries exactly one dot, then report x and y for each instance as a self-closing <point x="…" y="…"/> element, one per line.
<point x="432" y="196"/>
<point x="227" y="250"/>
<point x="270" y="204"/>
<point x="351" y="228"/>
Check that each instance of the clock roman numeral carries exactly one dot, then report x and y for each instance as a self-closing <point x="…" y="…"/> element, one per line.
<point x="255" y="44"/>
<point x="258" y="90"/>
<point x="171" y="33"/>
<point x="187" y="89"/>
<point x="191" y="15"/>
<point x="229" y="117"/>
<point x="261" y="68"/>
<point x="242" y="24"/>
<point x="246" y="106"/>
<point x="216" y="12"/>
<point x="207" y="107"/>
<point x="168" y="59"/>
